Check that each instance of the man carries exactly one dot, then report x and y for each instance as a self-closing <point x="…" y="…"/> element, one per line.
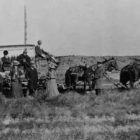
<point x="32" y="77"/>
<point x="99" y="74"/>
<point x="38" y="50"/>
<point x="6" y="61"/>
<point x="68" y="79"/>
<point x="24" y="59"/>
<point x="43" y="54"/>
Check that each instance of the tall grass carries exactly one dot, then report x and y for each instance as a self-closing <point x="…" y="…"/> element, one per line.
<point x="113" y="115"/>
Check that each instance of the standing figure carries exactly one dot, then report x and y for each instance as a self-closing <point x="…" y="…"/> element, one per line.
<point x="68" y="79"/>
<point x="16" y="85"/>
<point x="85" y="75"/>
<point x="6" y="61"/>
<point x="32" y="76"/>
<point x="5" y="65"/>
<point x="98" y="78"/>
<point x="24" y="59"/>
<point x="52" y="90"/>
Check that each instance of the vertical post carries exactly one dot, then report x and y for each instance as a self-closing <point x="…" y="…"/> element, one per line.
<point x="25" y="25"/>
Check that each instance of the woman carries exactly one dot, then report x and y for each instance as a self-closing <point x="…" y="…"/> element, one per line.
<point x="98" y="77"/>
<point x="51" y="89"/>
<point x="16" y="85"/>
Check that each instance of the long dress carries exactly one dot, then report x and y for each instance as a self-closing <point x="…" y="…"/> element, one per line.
<point x="51" y="89"/>
<point x="99" y="74"/>
<point x="16" y="85"/>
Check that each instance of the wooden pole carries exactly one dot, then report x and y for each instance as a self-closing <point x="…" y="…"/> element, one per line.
<point x="25" y="26"/>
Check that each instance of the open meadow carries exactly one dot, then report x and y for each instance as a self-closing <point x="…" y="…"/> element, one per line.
<point x="113" y="115"/>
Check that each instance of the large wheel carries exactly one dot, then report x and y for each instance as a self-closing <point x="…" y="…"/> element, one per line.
<point x="17" y="91"/>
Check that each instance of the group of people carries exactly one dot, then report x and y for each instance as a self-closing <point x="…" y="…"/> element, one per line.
<point x="24" y="66"/>
<point x="21" y="68"/>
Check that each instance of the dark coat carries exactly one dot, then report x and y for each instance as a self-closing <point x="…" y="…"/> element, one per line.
<point x="6" y="63"/>
<point x="5" y="60"/>
<point x="24" y="60"/>
<point x="32" y="76"/>
<point x="68" y="78"/>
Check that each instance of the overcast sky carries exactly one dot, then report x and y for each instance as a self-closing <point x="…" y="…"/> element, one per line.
<point x="80" y="27"/>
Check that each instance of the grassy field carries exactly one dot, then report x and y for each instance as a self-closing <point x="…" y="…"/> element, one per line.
<point x="114" y="115"/>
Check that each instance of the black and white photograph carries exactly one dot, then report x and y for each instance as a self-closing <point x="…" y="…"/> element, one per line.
<point x="69" y="69"/>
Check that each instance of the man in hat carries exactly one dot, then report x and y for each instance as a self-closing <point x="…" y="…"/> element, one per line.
<point x="38" y="50"/>
<point x="24" y="59"/>
<point x="98" y="77"/>
<point x="43" y="54"/>
<point x="32" y="77"/>
<point x="6" y="61"/>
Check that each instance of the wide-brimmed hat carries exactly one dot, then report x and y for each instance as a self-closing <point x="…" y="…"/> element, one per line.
<point x="15" y="63"/>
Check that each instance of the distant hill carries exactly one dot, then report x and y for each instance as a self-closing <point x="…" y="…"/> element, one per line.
<point x="73" y="60"/>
